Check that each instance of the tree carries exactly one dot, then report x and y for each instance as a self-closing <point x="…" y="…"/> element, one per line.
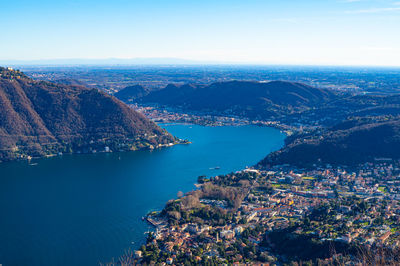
<point x="190" y="201"/>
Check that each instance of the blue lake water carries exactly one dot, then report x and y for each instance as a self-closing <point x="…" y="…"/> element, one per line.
<point x="86" y="209"/>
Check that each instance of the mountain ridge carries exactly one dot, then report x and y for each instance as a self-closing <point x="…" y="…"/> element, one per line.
<point x="39" y="118"/>
<point x="351" y="142"/>
<point x="253" y="99"/>
<point x="131" y="93"/>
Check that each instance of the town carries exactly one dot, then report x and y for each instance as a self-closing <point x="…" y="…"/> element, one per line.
<point x="243" y="217"/>
<point x="176" y="115"/>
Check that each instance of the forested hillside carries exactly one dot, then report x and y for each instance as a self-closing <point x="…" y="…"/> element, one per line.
<point x="40" y="118"/>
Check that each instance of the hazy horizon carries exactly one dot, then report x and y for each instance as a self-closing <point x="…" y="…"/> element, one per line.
<point x="127" y="62"/>
<point x="332" y="32"/>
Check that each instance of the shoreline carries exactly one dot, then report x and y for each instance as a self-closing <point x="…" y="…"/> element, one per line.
<point x="167" y="115"/>
<point x="159" y="222"/>
<point x="147" y="148"/>
<point x="282" y="214"/>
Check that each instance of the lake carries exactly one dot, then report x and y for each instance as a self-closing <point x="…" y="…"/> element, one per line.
<point x="86" y="209"/>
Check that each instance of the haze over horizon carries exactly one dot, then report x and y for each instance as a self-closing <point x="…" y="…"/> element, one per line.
<point x="332" y="32"/>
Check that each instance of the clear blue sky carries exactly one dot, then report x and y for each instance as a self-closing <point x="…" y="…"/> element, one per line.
<point x="338" y="32"/>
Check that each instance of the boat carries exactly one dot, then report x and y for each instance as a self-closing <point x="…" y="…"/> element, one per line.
<point x="215" y="168"/>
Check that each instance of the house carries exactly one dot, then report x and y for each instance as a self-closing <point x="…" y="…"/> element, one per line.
<point x="227" y="234"/>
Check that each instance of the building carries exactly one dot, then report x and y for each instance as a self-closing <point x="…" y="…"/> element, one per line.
<point x="227" y="234"/>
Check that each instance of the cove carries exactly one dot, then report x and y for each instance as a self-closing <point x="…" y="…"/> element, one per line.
<point x="87" y="209"/>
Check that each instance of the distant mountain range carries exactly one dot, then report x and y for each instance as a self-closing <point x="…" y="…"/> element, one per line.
<point x="261" y="100"/>
<point x="40" y="118"/>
